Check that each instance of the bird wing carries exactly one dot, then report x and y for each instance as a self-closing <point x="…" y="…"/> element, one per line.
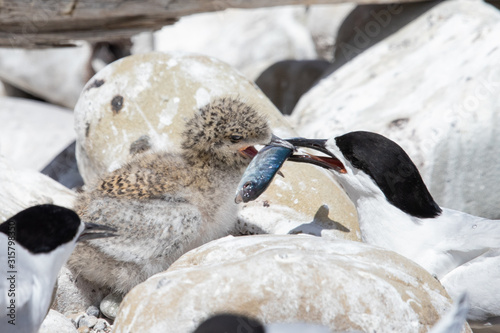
<point x="455" y="238"/>
<point x="470" y="232"/>
<point x="481" y="278"/>
<point x="465" y="236"/>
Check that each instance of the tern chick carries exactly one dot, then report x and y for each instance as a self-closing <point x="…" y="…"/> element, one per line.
<point x="165" y="204"/>
<point x="397" y="212"/>
<point x="35" y="245"/>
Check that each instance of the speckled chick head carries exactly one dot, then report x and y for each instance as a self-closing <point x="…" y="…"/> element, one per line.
<point x="221" y="132"/>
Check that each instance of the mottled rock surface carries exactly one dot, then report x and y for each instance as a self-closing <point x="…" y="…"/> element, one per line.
<point x="341" y="284"/>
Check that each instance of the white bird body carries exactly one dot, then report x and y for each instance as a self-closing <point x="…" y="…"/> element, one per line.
<point x="35" y="245"/>
<point x="35" y="278"/>
<point x="396" y="212"/>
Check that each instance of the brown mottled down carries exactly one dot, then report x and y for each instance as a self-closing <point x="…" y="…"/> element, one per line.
<point x="164" y="204"/>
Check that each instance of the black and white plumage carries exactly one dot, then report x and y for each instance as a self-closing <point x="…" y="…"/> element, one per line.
<point x="35" y="244"/>
<point x="397" y="212"/>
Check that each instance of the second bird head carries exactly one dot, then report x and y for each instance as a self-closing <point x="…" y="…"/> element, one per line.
<point x="225" y="132"/>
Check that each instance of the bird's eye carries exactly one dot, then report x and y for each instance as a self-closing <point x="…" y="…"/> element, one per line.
<point x="235" y="138"/>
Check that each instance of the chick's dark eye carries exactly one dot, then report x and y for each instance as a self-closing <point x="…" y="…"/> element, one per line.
<point x="235" y="138"/>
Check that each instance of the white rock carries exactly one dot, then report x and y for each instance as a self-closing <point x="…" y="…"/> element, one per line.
<point x="278" y="279"/>
<point x="88" y="321"/>
<point x="33" y="133"/>
<point x="56" y="75"/>
<point x="433" y="88"/>
<point x="110" y="304"/>
<point x="323" y="22"/>
<point x="250" y="39"/>
<point x="21" y="188"/>
<point x="56" y="322"/>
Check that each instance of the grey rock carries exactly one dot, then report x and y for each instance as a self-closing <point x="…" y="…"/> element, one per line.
<point x="56" y="75"/>
<point x="93" y="311"/>
<point x="56" y="322"/>
<point x="110" y="304"/>
<point x="88" y="321"/>
<point x="32" y="133"/>
<point x="101" y="325"/>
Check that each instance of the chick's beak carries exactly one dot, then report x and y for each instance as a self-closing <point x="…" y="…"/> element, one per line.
<point x="328" y="162"/>
<point x="90" y="232"/>
<point x="248" y="152"/>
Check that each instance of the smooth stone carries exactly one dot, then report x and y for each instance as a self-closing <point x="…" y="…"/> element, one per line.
<point x="110" y="304"/>
<point x="101" y="325"/>
<point x="88" y="321"/>
<point x="56" y="322"/>
<point x="343" y="285"/>
<point x="84" y="329"/>
<point x="33" y="133"/>
<point x="56" y="75"/>
<point x="148" y="98"/>
<point x="400" y="88"/>
<point x="248" y="51"/>
<point x="93" y="311"/>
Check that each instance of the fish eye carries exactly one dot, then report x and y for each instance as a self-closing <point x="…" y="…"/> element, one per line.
<point x="247" y="185"/>
<point x="235" y="138"/>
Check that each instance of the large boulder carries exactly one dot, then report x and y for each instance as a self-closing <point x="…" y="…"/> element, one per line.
<point x="340" y="284"/>
<point x="148" y="98"/>
<point x="33" y="133"/>
<point x="253" y="38"/>
<point x="55" y="75"/>
<point x="433" y="88"/>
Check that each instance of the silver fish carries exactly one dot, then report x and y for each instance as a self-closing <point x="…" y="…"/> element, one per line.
<point x="260" y="172"/>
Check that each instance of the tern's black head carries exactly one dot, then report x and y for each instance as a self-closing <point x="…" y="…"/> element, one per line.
<point x="41" y="229"/>
<point x="391" y="169"/>
<point x="229" y="323"/>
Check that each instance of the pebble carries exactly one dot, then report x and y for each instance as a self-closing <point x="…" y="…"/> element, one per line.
<point x="110" y="304"/>
<point x="93" y="311"/>
<point x="83" y="329"/>
<point x="88" y="321"/>
<point x="101" y="325"/>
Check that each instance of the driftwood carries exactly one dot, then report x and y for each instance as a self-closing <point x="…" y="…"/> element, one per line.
<point x="46" y="23"/>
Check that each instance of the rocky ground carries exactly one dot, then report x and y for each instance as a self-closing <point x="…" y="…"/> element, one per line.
<point x="430" y="83"/>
